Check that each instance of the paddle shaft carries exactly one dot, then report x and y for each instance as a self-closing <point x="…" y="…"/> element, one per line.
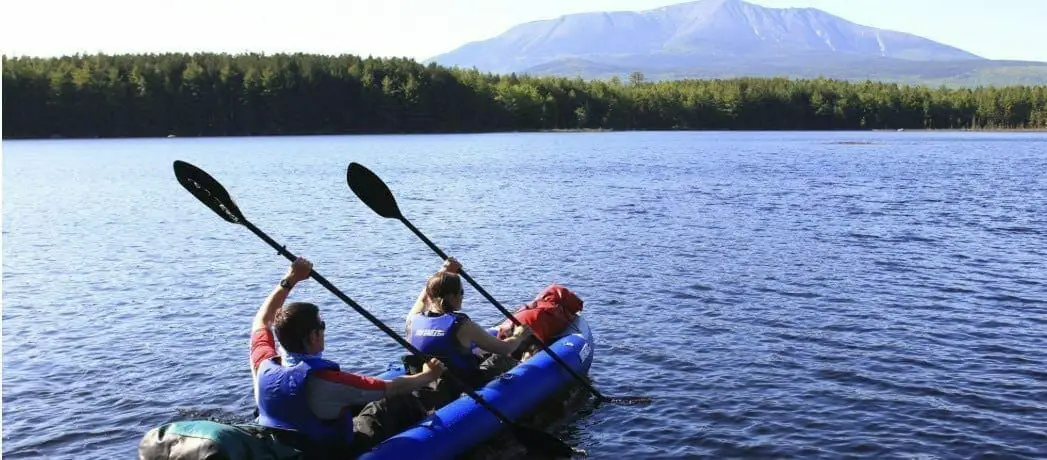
<point x="502" y="309"/>
<point x="323" y="282"/>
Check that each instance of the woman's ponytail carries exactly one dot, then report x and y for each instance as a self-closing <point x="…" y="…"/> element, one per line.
<point x="439" y="287"/>
<point x="437" y="303"/>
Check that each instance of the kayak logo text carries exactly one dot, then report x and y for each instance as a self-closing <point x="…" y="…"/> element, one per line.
<point x="430" y="333"/>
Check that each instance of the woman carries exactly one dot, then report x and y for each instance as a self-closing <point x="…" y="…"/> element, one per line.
<point x="436" y="326"/>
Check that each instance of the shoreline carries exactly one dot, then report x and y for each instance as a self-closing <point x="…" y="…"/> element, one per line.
<point x="960" y="130"/>
<point x="551" y="131"/>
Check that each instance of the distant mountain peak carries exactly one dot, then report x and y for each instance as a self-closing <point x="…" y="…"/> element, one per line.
<point x="712" y="3"/>
<point x="695" y="35"/>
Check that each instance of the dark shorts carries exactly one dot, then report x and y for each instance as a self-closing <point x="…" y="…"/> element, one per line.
<point x="384" y="418"/>
<point x="374" y="423"/>
<point x="446" y="390"/>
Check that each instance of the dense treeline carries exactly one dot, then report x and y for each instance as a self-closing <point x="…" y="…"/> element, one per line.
<point x="221" y="94"/>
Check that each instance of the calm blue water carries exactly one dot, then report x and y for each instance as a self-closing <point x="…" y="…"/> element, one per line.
<point x="780" y="294"/>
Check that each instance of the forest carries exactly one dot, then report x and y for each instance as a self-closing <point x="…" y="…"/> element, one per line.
<point x="210" y="94"/>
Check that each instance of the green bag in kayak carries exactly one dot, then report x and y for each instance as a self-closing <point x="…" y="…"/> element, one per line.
<point x="207" y="440"/>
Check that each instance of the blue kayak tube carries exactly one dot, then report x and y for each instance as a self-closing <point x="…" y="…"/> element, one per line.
<point x="463" y="424"/>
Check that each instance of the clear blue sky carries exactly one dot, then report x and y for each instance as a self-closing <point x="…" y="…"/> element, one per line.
<point x="1000" y="29"/>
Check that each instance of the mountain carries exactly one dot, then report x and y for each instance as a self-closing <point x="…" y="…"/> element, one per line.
<point x="726" y="38"/>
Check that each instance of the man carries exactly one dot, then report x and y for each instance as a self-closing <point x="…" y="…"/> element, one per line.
<point x="306" y="400"/>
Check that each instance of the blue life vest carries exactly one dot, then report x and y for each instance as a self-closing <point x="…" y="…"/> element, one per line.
<point x="282" y="402"/>
<point x="435" y="335"/>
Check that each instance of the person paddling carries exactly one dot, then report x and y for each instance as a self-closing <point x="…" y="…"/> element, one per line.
<point x="307" y="401"/>
<point x="437" y="327"/>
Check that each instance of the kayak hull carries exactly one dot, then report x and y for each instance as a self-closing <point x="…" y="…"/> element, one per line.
<point x="463" y="424"/>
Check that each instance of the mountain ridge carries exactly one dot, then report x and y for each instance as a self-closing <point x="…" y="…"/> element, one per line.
<point x="736" y="37"/>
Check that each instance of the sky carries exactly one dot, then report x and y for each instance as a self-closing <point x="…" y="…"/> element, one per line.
<point x="420" y="29"/>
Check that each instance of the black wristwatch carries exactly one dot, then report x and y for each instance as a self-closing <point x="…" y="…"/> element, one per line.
<point x="286" y="284"/>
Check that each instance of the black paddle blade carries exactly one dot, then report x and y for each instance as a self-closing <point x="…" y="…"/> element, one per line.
<point x="206" y="189"/>
<point x="372" y="191"/>
<point x="541" y="443"/>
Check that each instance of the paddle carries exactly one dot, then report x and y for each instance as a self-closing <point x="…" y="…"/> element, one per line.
<point x="376" y="195"/>
<point x="206" y="189"/>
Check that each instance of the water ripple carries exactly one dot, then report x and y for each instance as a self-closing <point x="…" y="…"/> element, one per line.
<point x="782" y="295"/>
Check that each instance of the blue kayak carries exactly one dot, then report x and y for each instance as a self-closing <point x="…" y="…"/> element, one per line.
<point x="536" y="392"/>
<point x="463" y="424"/>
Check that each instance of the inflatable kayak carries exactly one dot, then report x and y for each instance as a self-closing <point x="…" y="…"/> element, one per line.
<point x="463" y="424"/>
<point x="535" y="392"/>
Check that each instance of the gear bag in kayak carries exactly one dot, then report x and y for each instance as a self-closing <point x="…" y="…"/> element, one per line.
<point x="548" y="315"/>
<point x="207" y="440"/>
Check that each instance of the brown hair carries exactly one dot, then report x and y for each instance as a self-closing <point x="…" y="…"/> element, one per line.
<point x="294" y="322"/>
<point x="440" y="286"/>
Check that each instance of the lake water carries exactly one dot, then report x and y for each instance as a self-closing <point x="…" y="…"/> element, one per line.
<point x="779" y="294"/>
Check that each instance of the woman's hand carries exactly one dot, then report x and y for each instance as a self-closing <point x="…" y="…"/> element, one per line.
<point x="451" y="265"/>
<point x="522" y="332"/>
